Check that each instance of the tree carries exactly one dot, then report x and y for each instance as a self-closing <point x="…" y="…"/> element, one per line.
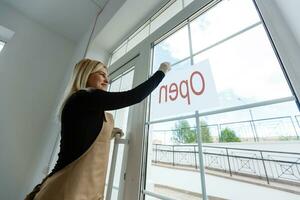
<point x="184" y="134"/>
<point x="228" y="135"/>
<point x="206" y="136"/>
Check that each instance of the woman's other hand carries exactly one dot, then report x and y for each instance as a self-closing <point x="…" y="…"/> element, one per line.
<point x="165" y="67"/>
<point x="117" y="131"/>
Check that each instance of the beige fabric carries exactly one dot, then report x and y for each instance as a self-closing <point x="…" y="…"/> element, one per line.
<point x="84" y="178"/>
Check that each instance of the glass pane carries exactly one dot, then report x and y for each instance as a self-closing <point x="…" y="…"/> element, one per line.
<point x="172" y="49"/>
<point x="273" y="122"/>
<point x="121" y="114"/>
<point x="1" y="45"/>
<point x="122" y="83"/>
<point x="245" y="68"/>
<point x="140" y="36"/>
<point x="223" y="20"/>
<point x="119" y="53"/>
<point x="256" y="146"/>
<point x="166" y="152"/>
<point x="165" y="16"/>
<point x="115" y="85"/>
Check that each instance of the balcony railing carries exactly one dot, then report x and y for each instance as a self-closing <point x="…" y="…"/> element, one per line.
<point x="276" y="166"/>
<point x="287" y="168"/>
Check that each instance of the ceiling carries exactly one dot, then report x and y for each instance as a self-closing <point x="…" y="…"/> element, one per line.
<point x="70" y="18"/>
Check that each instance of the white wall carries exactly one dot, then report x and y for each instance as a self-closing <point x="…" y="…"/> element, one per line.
<point x="32" y="68"/>
<point x="52" y="127"/>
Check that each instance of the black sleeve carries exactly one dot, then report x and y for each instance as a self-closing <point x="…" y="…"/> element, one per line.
<point x="115" y="100"/>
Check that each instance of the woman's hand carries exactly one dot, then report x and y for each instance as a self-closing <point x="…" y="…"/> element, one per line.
<point x="117" y="131"/>
<point x="165" y="67"/>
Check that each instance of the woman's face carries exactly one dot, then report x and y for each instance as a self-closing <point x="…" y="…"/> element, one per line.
<point x="98" y="79"/>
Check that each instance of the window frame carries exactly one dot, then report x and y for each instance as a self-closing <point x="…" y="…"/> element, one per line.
<point x="136" y="163"/>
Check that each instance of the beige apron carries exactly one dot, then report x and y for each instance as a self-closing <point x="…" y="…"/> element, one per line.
<point x="84" y="178"/>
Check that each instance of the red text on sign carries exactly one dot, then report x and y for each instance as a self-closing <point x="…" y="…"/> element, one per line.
<point x="183" y="89"/>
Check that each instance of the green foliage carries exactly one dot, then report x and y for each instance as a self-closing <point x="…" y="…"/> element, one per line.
<point x="285" y="138"/>
<point x="184" y="134"/>
<point x="228" y="135"/>
<point x="206" y="136"/>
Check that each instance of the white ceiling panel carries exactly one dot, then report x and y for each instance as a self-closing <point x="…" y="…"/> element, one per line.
<point x="71" y="18"/>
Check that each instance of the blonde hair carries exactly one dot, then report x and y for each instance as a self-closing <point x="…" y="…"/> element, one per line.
<point x="81" y="73"/>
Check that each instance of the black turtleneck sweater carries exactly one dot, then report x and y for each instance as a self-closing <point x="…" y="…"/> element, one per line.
<point x="83" y="114"/>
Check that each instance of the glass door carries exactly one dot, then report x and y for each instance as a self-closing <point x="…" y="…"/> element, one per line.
<point x="121" y="80"/>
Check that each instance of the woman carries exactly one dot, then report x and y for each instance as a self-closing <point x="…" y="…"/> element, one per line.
<point x="86" y="130"/>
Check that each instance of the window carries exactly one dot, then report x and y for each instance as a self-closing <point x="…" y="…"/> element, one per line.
<point x="121" y="83"/>
<point x="221" y="22"/>
<point x="165" y="50"/>
<point x="139" y="36"/>
<point x="157" y="20"/>
<point x="118" y="53"/>
<point x="225" y="68"/>
<point x="167" y="14"/>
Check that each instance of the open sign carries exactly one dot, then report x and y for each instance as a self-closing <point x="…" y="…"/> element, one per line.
<point x="183" y="89"/>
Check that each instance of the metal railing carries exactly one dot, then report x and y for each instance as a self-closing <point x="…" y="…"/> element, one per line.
<point x="197" y="116"/>
<point x="273" y="166"/>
